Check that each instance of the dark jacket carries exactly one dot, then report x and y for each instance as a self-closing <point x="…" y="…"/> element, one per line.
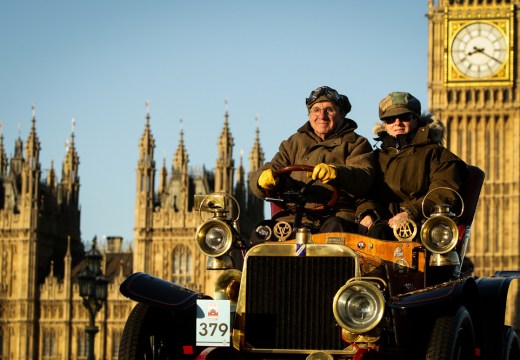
<point x="351" y="153"/>
<point x="413" y="165"/>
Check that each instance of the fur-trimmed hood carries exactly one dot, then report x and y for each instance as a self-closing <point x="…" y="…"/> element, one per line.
<point x="436" y="129"/>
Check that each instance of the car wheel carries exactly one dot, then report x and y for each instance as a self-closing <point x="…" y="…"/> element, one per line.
<point x="149" y="335"/>
<point x="511" y="349"/>
<point x="452" y="337"/>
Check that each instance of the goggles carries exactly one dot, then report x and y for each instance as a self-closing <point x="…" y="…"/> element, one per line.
<point x="330" y="93"/>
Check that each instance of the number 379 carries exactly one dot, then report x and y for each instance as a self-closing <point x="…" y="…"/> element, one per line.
<point x="209" y="329"/>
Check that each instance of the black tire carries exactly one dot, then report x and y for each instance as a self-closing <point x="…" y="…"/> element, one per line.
<point x="149" y="334"/>
<point x="452" y="337"/>
<point x="511" y="349"/>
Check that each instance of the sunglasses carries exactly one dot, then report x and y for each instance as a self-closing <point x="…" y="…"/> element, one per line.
<point x="403" y="117"/>
<point x="331" y="94"/>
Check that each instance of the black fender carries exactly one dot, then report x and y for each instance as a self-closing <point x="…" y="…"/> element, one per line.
<point x="438" y="295"/>
<point x="414" y="313"/>
<point x="151" y="290"/>
<point x="493" y="293"/>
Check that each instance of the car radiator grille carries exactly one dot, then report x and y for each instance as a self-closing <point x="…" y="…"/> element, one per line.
<point x="289" y="301"/>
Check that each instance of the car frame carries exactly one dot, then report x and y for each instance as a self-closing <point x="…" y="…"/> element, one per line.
<point x="328" y="295"/>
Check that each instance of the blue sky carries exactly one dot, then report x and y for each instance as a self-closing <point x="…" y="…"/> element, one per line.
<point x="100" y="61"/>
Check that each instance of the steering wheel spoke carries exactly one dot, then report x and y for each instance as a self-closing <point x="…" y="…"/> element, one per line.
<point x="295" y="199"/>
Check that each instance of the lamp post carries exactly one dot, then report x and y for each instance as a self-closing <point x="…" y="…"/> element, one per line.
<point x="93" y="289"/>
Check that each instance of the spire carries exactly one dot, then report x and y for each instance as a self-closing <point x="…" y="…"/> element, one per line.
<point x="255" y="205"/>
<point x="240" y="188"/>
<point x="71" y="162"/>
<point x="225" y="163"/>
<point x="69" y="170"/>
<point x="145" y="198"/>
<point x="17" y="159"/>
<point x="240" y="169"/>
<point x="32" y="147"/>
<point x="145" y="175"/>
<point x="147" y="142"/>
<point x="51" y="177"/>
<point x="163" y="177"/>
<point x="180" y="159"/>
<point x="31" y="168"/>
<point x="225" y="142"/>
<point x="180" y="173"/>
<point x="256" y="156"/>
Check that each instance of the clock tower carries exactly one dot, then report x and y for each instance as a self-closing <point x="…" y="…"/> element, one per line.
<point x="473" y="86"/>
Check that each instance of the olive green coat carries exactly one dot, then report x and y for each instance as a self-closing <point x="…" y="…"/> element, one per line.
<point x="407" y="173"/>
<point x="351" y="153"/>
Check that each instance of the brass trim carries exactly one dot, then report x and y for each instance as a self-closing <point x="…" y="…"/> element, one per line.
<point x="432" y="222"/>
<point x="370" y="288"/>
<point x="202" y="230"/>
<point x="405" y="229"/>
<point x="282" y="249"/>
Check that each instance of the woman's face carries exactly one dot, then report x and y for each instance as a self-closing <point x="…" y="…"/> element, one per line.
<point x="400" y="124"/>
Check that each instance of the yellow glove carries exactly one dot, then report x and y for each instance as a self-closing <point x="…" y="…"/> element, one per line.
<point x="267" y="180"/>
<point x="324" y="172"/>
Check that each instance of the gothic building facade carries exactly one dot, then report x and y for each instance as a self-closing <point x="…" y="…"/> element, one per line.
<point x="39" y="239"/>
<point x="473" y="86"/>
<point x="41" y="312"/>
<point x="166" y="219"/>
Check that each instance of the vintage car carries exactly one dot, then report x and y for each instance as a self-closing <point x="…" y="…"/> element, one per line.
<point x="305" y="295"/>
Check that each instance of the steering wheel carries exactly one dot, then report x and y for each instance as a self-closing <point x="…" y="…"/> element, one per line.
<point x="307" y="168"/>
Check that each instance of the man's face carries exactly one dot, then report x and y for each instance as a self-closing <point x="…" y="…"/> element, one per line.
<point x="400" y="124"/>
<point x="324" y="116"/>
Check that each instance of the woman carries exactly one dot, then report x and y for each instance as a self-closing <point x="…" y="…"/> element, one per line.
<point x="412" y="162"/>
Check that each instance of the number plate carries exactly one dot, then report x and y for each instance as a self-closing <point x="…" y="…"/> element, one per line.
<point x="213" y="327"/>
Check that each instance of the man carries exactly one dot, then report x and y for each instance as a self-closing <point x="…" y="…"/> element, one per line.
<point x="339" y="157"/>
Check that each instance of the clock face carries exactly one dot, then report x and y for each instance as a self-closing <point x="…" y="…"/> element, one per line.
<point x="479" y="50"/>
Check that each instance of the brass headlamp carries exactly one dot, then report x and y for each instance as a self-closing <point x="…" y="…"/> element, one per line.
<point x="440" y="234"/>
<point x="214" y="237"/>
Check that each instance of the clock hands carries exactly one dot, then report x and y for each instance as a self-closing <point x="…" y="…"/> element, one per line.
<point x="476" y="50"/>
<point x="481" y="51"/>
<point x="491" y="57"/>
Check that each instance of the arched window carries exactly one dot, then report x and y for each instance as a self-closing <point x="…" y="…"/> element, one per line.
<point x="81" y="342"/>
<point x="49" y="344"/>
<point x="116" y="338"/>
<point x="182" y="264"/>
